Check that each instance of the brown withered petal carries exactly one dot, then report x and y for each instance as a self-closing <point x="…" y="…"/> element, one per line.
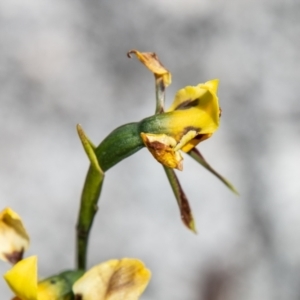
<point x="15" y="256"/>
<point x="150" y="60"/>
<point x="161" y="146"/>
<point x="14" y="239"/>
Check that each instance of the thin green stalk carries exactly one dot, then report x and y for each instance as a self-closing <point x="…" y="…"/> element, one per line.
<point x="119" y="144"/>
<point x="89" y="198"/>
<point x="88" y="208"/>
<point x="159" y="95"/>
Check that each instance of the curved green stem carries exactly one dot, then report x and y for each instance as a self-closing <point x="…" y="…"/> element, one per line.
<point x="121" y="143"/>
<point x="88" y="208"/>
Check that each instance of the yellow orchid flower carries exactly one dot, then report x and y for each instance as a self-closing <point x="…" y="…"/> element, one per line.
<point x="193" y="117"/>
<point x="115" y="279"/>
<point x="22" y="278"/>
<point x="14" y="239"/>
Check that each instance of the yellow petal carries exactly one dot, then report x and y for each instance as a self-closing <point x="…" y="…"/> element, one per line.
<point x="212" y="85"/>
<point x="162" y="147"/>
<point x="151" y="61"/>
<point x="184" y="97"/>
<point x="113" y="280"/>
<point x="187" y="96"/>
<point x="194" y="107"/>
<point x="22" y="278"/>
<point x="14" y="239"/>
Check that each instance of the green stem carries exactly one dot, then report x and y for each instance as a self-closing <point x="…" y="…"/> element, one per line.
<point x="88" y="208"/>
<point x="160" y="95"/>
<point x="119" y="144"/>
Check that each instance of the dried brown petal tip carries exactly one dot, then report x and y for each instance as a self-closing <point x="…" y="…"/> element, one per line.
<point x="151" y="61"/>
<point x="130" y="52"/>
<point x="15" y="256"/>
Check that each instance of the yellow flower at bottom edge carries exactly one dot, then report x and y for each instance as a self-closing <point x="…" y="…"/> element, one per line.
<point x="112" y="280"/>
<point x="193" y="117"/>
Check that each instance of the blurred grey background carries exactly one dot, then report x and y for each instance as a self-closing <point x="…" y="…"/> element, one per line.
<point x="64" y="62"/>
